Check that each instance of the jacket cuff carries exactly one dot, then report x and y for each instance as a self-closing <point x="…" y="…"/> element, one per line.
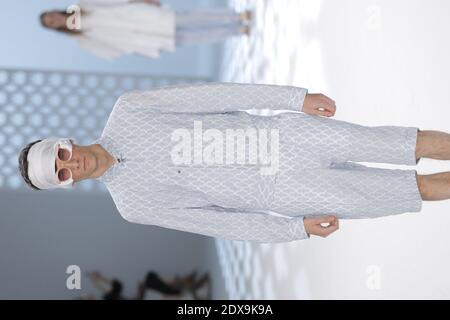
<point x="297" y="98"/>
<point x="298" y="228"/>
<point x="303" y="224"/>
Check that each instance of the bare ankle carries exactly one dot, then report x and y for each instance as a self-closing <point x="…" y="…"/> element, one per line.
<point x="434" y="187"/>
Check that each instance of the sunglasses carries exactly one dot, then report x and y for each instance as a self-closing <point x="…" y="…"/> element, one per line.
<point x="63" y="174"/>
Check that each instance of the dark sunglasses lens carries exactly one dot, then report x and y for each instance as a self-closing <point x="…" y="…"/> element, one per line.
<point x="63" y="175"/>
<point x="63" y="154"/>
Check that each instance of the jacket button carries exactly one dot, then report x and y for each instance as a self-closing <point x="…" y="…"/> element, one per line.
<point x="179" y="171"/>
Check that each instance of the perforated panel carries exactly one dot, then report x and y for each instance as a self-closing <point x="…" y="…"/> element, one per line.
<point x="36" y="104"/>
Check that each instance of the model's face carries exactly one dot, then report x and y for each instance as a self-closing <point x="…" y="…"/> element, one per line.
<point x="54" y="20"/>
<point x="82" y="164"/>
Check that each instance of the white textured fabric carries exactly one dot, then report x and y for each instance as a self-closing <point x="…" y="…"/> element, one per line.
<point x="224" y="201"/>
<point x="41" y="163"/>
<point x="206" y="25"/>
<point x="319" y="176"/>
<point x="114" y="28"/>
<point x="104" y="2"/>
<point x="110" y="31"/>
<point x="316" y="176"/>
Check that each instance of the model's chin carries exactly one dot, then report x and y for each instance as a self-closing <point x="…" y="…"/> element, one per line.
<point x="90" y="165"/>
<point x="94" y="164"/>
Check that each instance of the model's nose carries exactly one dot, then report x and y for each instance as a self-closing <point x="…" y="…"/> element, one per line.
<point x="72" y="164"/>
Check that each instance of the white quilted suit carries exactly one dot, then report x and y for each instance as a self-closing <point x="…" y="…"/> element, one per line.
<point x="316" y="173"/>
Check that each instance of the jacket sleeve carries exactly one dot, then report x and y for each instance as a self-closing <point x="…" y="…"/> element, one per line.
<point x="231" y="225"/>
<point x="219" y="97"/>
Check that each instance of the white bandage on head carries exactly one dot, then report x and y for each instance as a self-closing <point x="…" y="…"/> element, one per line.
<point x="41" y="163"/>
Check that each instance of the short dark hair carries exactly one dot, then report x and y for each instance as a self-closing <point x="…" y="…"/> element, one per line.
<point x="23" y="164"/>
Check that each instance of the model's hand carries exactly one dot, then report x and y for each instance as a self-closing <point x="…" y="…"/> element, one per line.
<point x="315" y="102"/>
<point x="313" y="225"/>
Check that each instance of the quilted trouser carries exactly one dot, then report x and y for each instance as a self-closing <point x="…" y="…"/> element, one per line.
<point x="318" y="174"/>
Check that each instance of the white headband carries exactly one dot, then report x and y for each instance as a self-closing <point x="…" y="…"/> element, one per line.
<point x="41" y="163"/>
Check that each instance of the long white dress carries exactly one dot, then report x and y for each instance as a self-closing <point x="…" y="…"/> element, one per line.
<point x="112" y="28"/>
